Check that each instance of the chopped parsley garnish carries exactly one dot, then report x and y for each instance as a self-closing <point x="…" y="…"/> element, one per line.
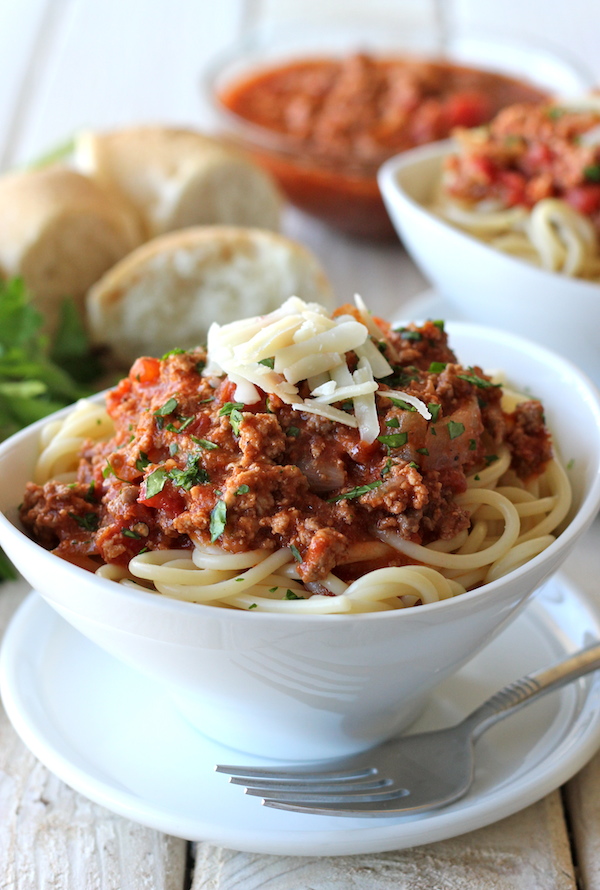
<point x="355" y="492"/>
<point x="439" y="323"/>
<point x="295" y="553"/>
<point x="268" y="362"/>
<point x="423" y="451"/>
<point x="89" y="521"/>
<point x="218" y="520"/>
<point x="394" y="440"/>
<point x="476" y="380"/>
<point x="490" y="459"/>
<point x="193" y="474"/>
<point x="109" y="471"/>
<point x="437" y="367"/>
<point x="472" y="445"/>
<point x="388" y="466"/>
<point x="455" y="429"/>
<point x="290" y="595"/>
<point x="292" y="431"/>
<point x="243" y="489"/>
<point x="393" y="422"/>
<point x="128" y="533"/>
<point x="142" y="461"/>
<point x="156" y="482"/>
<point x="177" y="351"/>
<point x="184" y="422"/>
<point x="407" y="334"/>
<point x="592" y="172"/>
<point x="434" y="410"/>
<point x="233" y="411"/>
<point x="400" y="403"/>
<point x="173" y="449"/>
<point x="167" y="408"/>
<point x="571" y="464"/>
<point x="200" y="366"/>
<point x="253" y="606"/>
<point x="204" y="443"/>
<point x="90" y="495"/>
<point x="555" y="113"/>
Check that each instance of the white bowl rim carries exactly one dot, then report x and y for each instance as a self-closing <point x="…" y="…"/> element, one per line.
<point x="390" y="186"/>
<point x="586" y="512"/>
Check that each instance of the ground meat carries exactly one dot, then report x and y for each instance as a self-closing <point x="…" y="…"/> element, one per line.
<point x="528" y="439"/>
<point x="189" y="463"/>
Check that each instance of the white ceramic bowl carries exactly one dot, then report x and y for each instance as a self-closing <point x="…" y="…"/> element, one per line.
<point x="344" y="195"/>
<point x="485" y="285"/>
<point x="316" y="686"/>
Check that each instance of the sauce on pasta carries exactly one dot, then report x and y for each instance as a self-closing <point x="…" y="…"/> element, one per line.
<point x="529" y="183"/>
<point x="318" y="486"/>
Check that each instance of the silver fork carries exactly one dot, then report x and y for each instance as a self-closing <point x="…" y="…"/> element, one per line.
<point x="408" y="774"/>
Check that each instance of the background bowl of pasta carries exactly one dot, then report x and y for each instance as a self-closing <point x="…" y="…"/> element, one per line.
<point x="482" y="282"/>
<point x="292" y="684"/>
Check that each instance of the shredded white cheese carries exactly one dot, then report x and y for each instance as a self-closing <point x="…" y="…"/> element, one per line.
<point x="302" y="342"/>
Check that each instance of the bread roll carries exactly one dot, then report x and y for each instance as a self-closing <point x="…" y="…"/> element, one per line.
<point x="60" y="232"/>
<point x="168" y="292"/>
<point x="177" y="178"/>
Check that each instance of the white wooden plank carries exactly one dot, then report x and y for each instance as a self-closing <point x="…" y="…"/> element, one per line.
<point x="21" y="28"/>
<point x="582" y="797"/>
<point x="124" y="61"/>
<point x="50" y="836"/>
<point x="528" y="851"/>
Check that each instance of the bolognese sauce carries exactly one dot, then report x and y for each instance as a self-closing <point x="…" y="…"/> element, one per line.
<point x="337" y="119"/>
<point x="189" y="462"/>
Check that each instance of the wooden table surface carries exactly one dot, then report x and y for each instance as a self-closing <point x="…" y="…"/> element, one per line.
<point x="101" y="63"/>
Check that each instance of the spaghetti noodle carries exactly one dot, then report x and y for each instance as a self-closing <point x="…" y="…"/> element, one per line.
<point x="275" y="503"/>
<point x="529" y="185"/>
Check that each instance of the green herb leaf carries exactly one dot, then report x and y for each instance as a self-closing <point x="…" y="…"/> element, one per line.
<point x="204" y="443"/>
<point x="355" y="492"/>
<point x="155" y="482"/>
<point x="394" y="440"/>
<point x="142" y="462"/>
<point x="293" y="431"/>
<point x="89" y="521"/>
<point x="243" y="489"/>
<point x="455" y="429"/>
<point x="290" y="595"/>
<point x="128" y="533"/>
<point x="268" y="362"/>
<point x="476" y="380"/>
<point x="218" y="520"/>
<point x="193" y="474"/>
<point x="437" y="367"/>
<point x="296" y="553"/>
<point x="167" y="408"/>
<point x="434" y="410"/>
<point x="176" y="351"/>
<point x="592" y="173"/>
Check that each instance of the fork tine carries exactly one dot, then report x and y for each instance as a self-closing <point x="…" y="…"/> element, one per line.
<point x="392" y="806"/>
<point x="317" y="798"/>
<point x="313" y="786"/>
<point x="305" y="773"/>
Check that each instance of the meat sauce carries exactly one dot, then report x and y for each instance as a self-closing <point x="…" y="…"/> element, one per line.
<point x="188" y="462"/>
<point x="528" y="153"/>
<point x="339" y="119"/>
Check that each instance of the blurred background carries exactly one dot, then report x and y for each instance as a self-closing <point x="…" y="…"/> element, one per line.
<point x="73" y="63"/>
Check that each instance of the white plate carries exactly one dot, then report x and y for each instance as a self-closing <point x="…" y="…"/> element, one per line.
<point x="429" y="304"/>
<point x="112" y="735"/>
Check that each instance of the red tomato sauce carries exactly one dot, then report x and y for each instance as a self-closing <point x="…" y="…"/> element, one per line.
<point x="340" y="119"/>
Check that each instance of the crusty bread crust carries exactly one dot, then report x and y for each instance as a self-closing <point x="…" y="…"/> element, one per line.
<point x="167" y="293"/>
<point x="60" y="232"/>
<point x="177" y="178"/>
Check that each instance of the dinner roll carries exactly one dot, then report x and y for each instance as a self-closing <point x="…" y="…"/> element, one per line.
<point x="168" y="292"/>
<point x="177" y="178"/>
<point x="60" y="232"/>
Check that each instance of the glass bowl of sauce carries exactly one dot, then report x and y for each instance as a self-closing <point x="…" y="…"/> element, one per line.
<point x="322" y="110"/>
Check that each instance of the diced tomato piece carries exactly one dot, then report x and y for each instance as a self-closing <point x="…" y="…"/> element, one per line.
<point x="145" y="370"/>
<point x="467" y="109"/>
<point x="584" y="198"/>
<point x="537" y="158"/>
<point x="513" y="187"/>
<point x="168" y="500"/>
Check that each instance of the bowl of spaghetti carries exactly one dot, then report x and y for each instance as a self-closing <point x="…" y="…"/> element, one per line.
<point x="505" y="222"/>
<point x="302" y="529"/>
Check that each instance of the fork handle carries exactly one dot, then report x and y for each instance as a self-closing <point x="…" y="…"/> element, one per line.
<point x="514" y="696"/>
